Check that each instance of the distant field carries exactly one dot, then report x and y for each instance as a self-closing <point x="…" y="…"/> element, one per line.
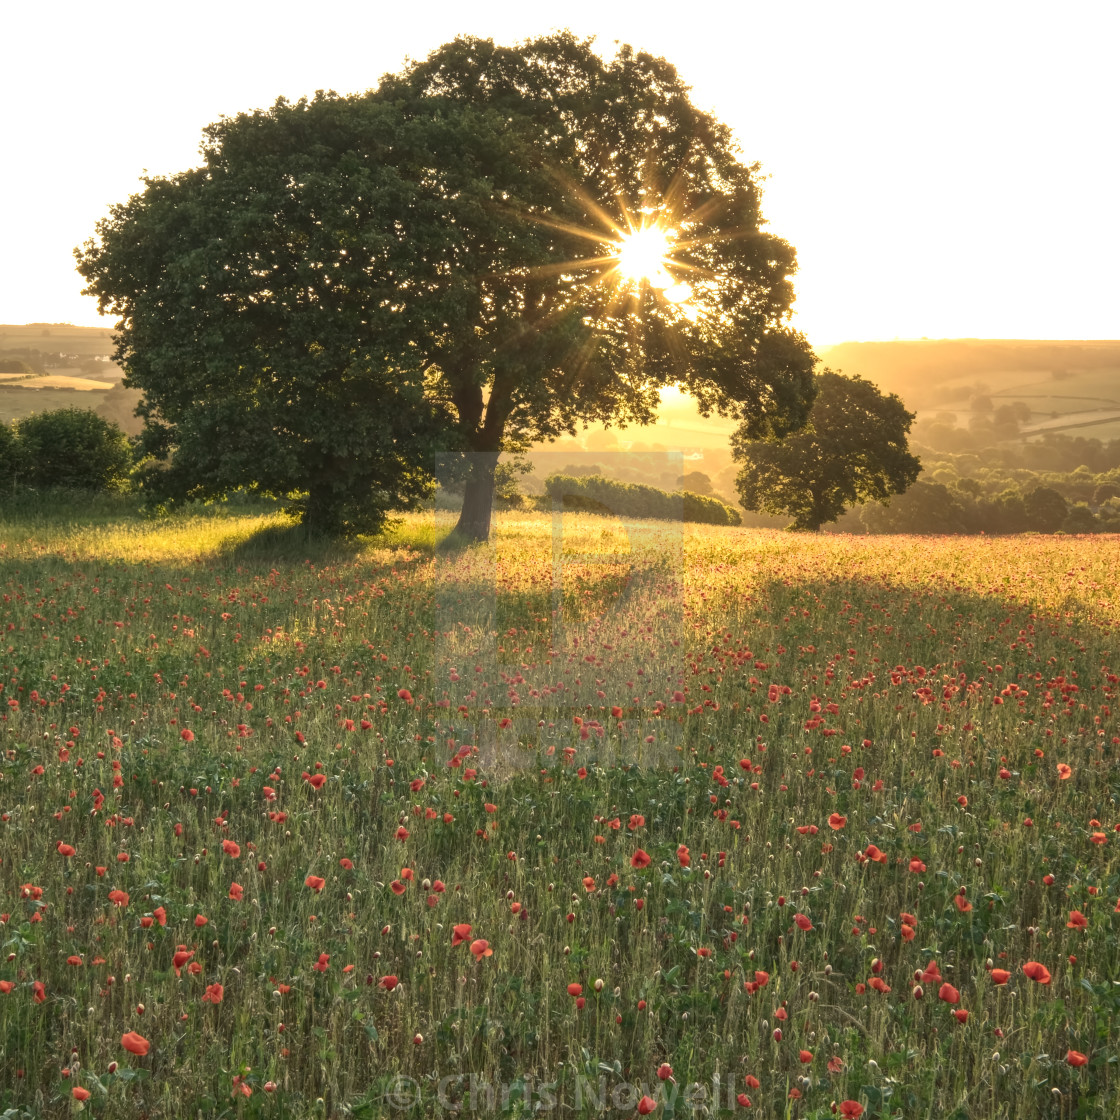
<point x="17" y="402"/>
<point x="63" y="381"/>
<point x="87" y="342"/>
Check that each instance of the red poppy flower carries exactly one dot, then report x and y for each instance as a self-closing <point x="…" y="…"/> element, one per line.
<point x="187" y="735"/>
<point x="79" y="1094"/>
<point x="389" y="982"/>
<point x="963" y="905"/>
<point x="346" y="864"/>
<point x="67" y="850"/>
<point x="999" y="975"/>
<point x="323" y="963"/>
<point x="646" y="1105"/>
<point x="214" y="993"/>
<point x="1035" y="971"/>
<point x="236" y="892"/>
<point x="575" y="989"/>
<point x="960" y="1014"/>
<point x="480" y="949"/>
<point x="404" y="694"/>
<point x="640" y="859"/>
<point x="200" y="920"/>
<point x="231" y="849"/>
<point x="135" y="1043"/>
<point x="118" y="898"/>
<point x="803" y="922"/>
<point x="397" y="887"/>
<point x="836" y="821"/>
<point x="1076" y="1058"/>
<point x="315" y="882"/>
<point x="805" y="1057"/>
<point x="743" y="1100"/>
<point x="917" y="866"/>
<point x="182" y="955"/>
<point x="851" y="1110"/>
<point x="39" y="991"/>
<point x="1077" y="920"/>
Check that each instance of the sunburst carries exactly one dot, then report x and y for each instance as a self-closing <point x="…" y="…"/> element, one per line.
<point x="643" y="257"/>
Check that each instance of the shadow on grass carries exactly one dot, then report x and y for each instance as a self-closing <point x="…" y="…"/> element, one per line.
<point x="292" y="542"/>
<point x="289" y="542"/>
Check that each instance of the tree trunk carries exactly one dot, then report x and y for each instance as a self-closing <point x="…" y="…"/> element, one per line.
<point x="321" y="514"/>
<point x="478" y="498"/>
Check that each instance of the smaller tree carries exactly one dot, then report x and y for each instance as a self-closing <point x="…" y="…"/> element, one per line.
<point x="853" y="449"/>
<point x="73" y="448"/>
<point x="1044" y="509"/>
<point x="697" y="482"/>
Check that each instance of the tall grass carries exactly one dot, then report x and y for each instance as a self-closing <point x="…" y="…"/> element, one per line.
<point x="811" y="741"/>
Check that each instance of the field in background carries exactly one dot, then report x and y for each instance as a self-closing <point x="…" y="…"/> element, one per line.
<point x="633" y="812"/>
<point x="86" y="342"/>
<point x="76" y="374"/>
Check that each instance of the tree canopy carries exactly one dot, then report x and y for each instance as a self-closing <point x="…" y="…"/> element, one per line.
<point x="854" y="449"/>
<point x="349" y="284"/>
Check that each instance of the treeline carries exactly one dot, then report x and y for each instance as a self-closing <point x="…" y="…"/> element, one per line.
<point x="25" y="359"/>
<point x="933" y="507"/>
<point x="597" y="494"/>
<point x="65" y="448"/>
<point x="1055" y="452"/>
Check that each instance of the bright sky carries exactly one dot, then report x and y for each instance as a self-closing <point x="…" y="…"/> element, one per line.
<point x="944" y="170"/>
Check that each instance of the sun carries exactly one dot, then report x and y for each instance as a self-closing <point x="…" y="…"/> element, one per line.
<point x="642" y="256"/>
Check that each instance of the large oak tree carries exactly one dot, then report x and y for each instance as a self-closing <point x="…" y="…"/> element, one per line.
<point x="348" y="284"/>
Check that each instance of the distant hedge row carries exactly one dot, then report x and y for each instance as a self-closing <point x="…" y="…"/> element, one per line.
<point x="73" y="448"/>
<point x="630" y="499"/>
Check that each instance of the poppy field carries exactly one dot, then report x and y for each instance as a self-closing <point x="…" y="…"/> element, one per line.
<point x="674" y="821"/>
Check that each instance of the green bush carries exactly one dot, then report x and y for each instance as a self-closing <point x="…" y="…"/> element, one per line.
<point x="72" y="448"/>
<point x="9" y="456"/>
<point x="629" y="499"/>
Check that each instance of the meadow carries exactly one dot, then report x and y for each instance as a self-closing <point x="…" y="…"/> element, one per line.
<point x="599" y="819"/>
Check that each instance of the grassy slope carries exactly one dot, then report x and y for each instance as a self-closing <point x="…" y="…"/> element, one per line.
<point x="920" y="672"/>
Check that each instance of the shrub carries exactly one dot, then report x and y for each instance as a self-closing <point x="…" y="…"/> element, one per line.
<point x="630" y="499"/>
<point x="73" y="448"/>
<point x="9" y="456"/>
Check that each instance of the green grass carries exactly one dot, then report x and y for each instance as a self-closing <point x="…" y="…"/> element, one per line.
<point x="783" y="702"/>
